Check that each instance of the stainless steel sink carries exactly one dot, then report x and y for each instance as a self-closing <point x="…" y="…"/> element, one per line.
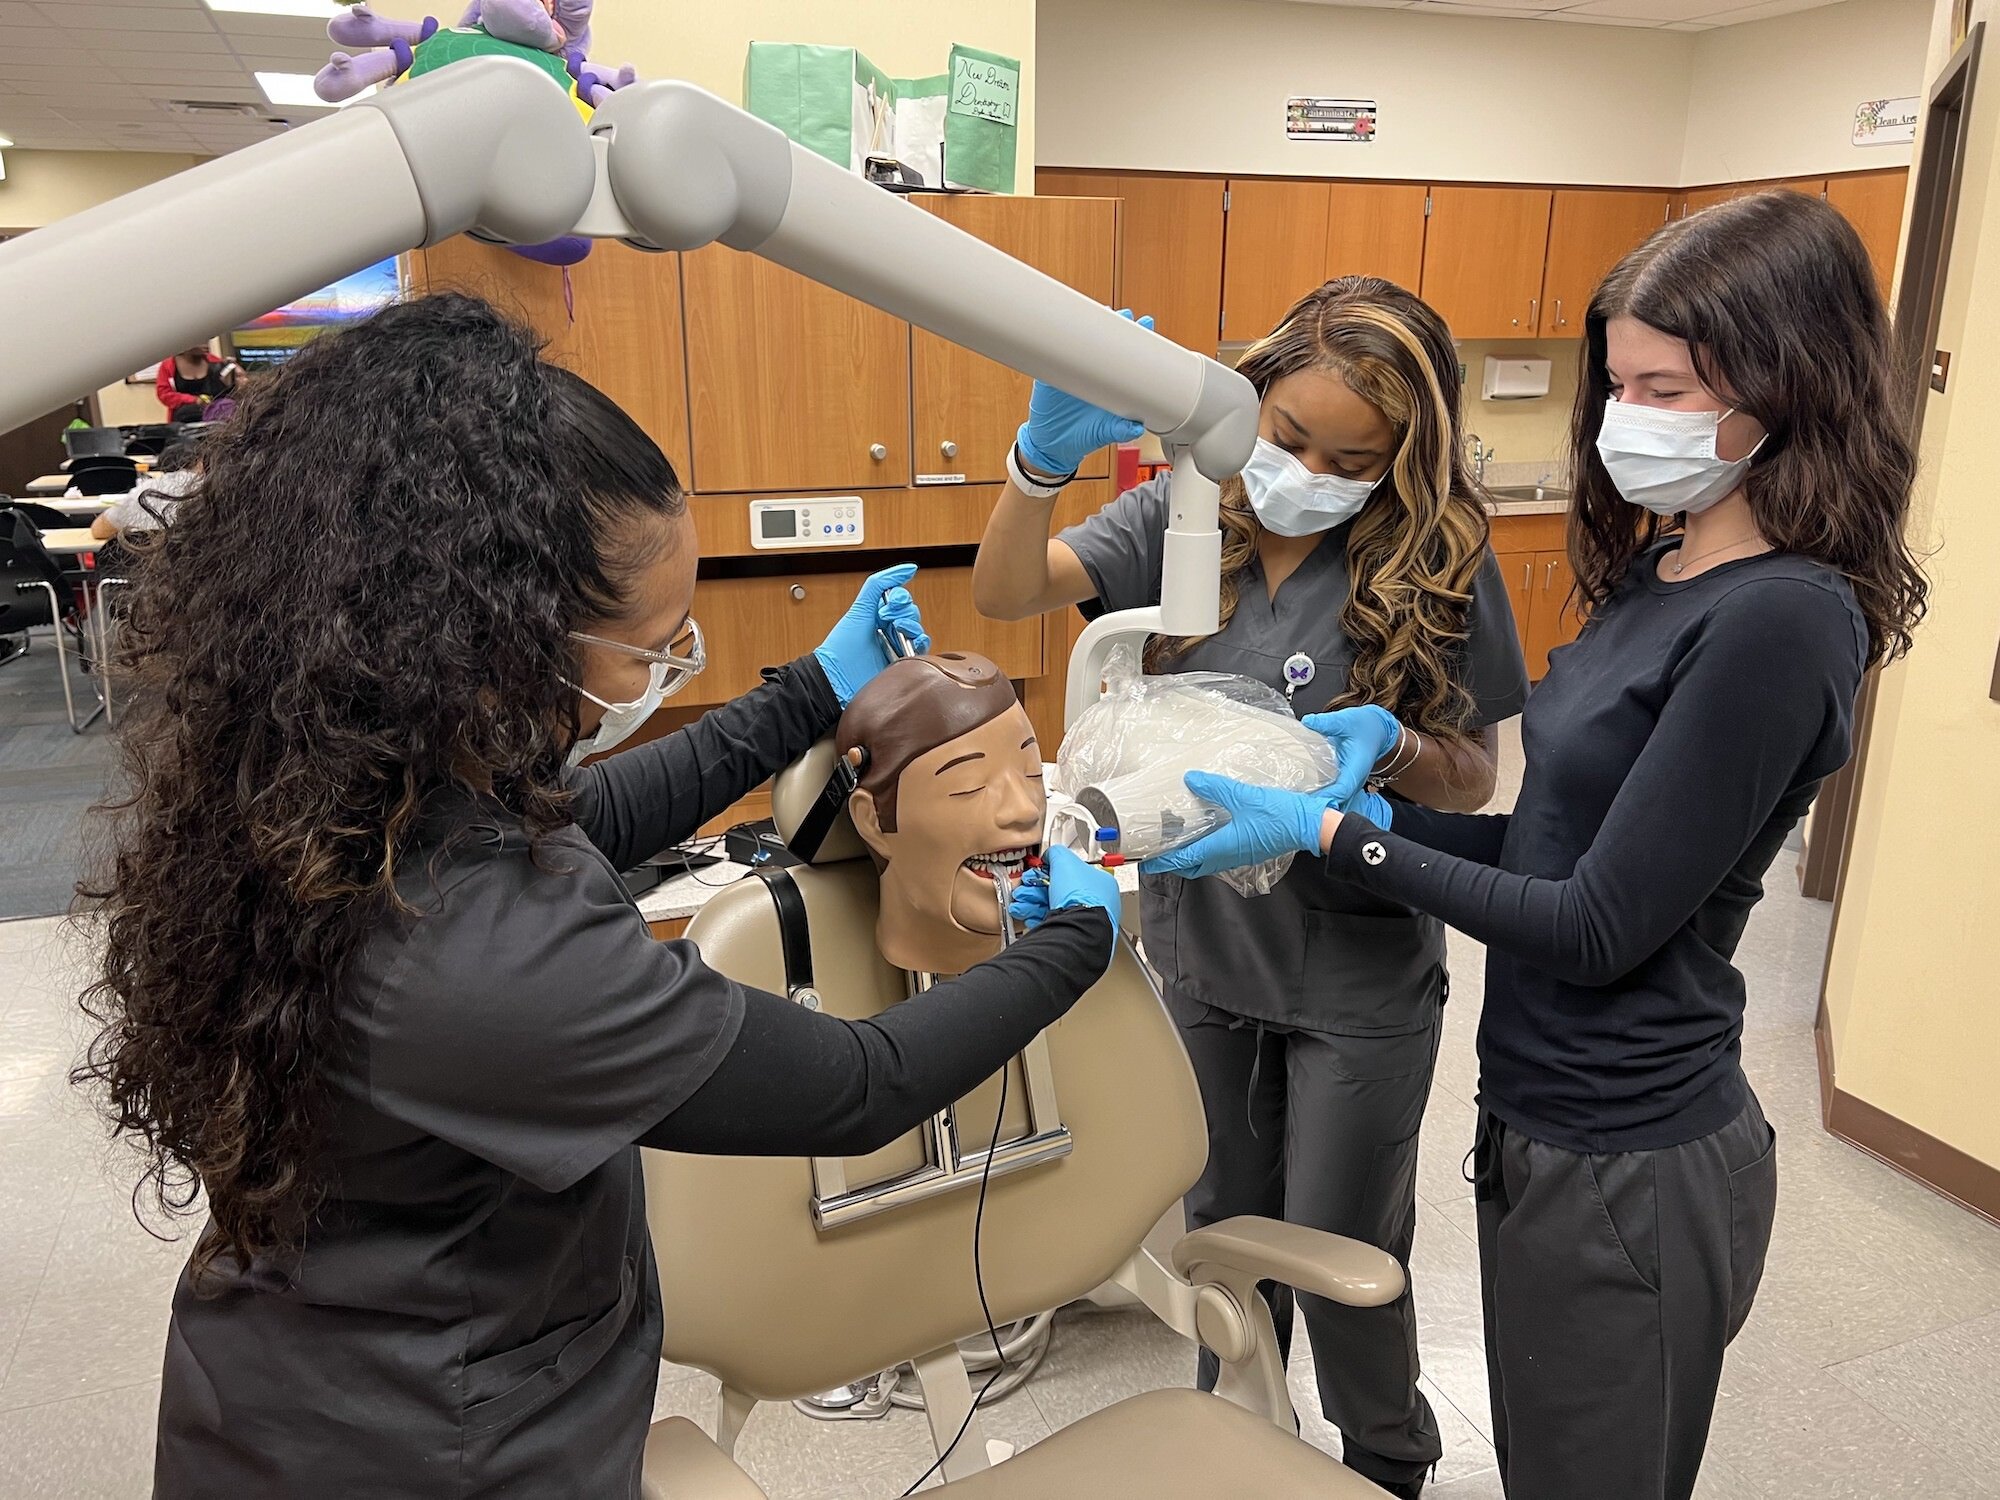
<point x="1528" y="492"/>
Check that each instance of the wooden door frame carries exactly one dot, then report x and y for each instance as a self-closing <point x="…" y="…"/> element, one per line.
<point x="1919" y="310"/>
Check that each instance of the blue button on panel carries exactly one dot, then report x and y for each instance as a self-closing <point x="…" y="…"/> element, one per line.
<point x="827" y="530"/>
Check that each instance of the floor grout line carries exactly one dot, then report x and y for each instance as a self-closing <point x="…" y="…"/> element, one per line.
<point x="100" y="1390"/>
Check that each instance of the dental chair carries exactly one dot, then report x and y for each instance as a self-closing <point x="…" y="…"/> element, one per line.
<point x="786" y="1277"/>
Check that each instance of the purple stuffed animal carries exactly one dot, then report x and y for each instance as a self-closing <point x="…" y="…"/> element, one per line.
<point x="553" y="33"/>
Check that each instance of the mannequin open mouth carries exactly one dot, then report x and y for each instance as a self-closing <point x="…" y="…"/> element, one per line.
<point x="1009" y="862"/>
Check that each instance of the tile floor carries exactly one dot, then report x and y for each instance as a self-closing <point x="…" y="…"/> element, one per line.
<point x="1870" y="1368"/>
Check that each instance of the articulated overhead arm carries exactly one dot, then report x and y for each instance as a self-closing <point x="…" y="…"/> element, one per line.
<point x="488" y="145"/>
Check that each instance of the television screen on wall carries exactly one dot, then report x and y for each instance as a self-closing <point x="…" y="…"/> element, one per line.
<point x="279" y="334"/>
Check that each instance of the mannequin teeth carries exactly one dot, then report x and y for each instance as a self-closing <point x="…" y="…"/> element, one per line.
<point x="1009" y="862"/>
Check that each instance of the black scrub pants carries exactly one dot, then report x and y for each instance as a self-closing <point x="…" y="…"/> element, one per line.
<point x="1612" y="1284"/>
<point x="1321" y="1129"/>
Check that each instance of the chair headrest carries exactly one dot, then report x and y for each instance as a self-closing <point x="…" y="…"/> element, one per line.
<point x="796" y="809"/>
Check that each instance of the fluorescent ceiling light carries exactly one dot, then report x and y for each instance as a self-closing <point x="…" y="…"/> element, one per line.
<point x="4" y="143"/>
<point x="295" y="91"/>
<point x="312" y="10"/>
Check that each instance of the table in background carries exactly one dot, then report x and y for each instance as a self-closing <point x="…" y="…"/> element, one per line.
<point x="70" y="541"/>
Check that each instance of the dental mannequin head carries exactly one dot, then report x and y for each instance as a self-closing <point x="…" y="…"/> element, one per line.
<point x="950" y="789"/>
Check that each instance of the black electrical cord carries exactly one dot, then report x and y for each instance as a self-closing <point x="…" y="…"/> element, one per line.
<point x="979" y="1281"/>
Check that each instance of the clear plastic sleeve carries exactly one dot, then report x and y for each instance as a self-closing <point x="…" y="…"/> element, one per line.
<point x="1123" y="761"/>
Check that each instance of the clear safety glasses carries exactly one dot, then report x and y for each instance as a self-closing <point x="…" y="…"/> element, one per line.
<point x="685" y="657"/>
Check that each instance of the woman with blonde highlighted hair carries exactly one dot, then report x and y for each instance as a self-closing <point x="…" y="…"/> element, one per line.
<point x="1355" y="570"/>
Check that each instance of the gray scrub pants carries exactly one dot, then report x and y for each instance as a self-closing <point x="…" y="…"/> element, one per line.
<point x="1612" y="1284"/>
<point x="1321" y="1129"/>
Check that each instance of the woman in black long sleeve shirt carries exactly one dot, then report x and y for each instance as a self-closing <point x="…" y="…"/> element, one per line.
<point x="1737" y="377"/>
<point x="371" y="982"/>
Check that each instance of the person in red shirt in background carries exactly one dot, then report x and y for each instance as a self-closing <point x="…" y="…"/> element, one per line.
<point x="191" y="379"/>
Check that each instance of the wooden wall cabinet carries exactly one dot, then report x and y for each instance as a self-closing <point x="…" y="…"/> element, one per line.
<point x="965" y="408"/>
<point x="794" y="386"/>
<point x="1590" y="231"/>
<point x="1694" y="200"/>
<point x="1274" y="251"/>
<point x="1873" y="204"/>
<point x="1483" y="259"/>
<point x="1376" y="229"/>
<point x="1169" y="246"/>
<point x="1283" y="239"/>
<point x="1534" y="565"/>
<point x="624" y="337"/>
<point x="753" y="623"/>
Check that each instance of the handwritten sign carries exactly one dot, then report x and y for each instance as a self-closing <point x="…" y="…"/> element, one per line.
<point x="1886" y="122"/>
<point x="985" y="90"/>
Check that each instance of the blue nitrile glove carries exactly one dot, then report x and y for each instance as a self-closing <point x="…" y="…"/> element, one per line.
<point x="1065" y="881"/>
<point x="1373" y="806"/>
<point x="1264" y="823"/>
<point x="1360" y="738"/>
<point x="1062" y="431"/>
<point x="852" y="652"/>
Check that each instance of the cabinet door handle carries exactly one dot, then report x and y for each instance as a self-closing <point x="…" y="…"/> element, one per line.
<point x="799" y="591"/>
<point x="1534" y="308"/>
<point x="878" y="452"/>
<point x="1561" y="322"/>
<point x="948" y="448"/>
<point x="1548" y="579"/>
<point x="1527" y="576"/>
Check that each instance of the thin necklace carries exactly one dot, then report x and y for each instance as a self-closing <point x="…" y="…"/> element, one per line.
<point x="1681" y="560"/>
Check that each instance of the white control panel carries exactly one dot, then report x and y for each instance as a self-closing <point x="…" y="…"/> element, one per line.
<point x="823" y="521"/>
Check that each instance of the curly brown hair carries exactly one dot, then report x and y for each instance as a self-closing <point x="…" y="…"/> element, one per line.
<point x="1777" y="302"/>
<point x="363" y="606"/>
<point x="1415" y="548"/>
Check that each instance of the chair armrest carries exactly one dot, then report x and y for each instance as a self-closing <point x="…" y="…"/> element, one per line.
<point x="1308" y="1260"/>
<point x="682" y="1464"/>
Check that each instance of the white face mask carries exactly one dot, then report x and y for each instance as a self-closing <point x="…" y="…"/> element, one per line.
<point x="621" y="719"/>
<point x="1291" y="500"/>
<point x="1665" y="460"/>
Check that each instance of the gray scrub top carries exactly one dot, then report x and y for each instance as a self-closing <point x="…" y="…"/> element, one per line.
<point x="1316" y="952"/>
<point x="475" y="1311"/>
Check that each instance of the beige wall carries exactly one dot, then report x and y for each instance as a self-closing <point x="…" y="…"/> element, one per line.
<point x="704" y="41"/>
<point x="1776" y="98"/>
<point x="1913" y="987"/>
<point x="1523" y="431"/>
<point x="43" y="186"/>
<point x="1200" y="86"/>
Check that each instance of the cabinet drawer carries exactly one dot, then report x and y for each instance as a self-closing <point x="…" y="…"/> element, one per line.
<point x="753" y="623"/>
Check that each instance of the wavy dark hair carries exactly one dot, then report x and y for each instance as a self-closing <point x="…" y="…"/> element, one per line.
<point x="364" y="604"/>
<point x="1777" y="302"/>
<point x="1415" y="548"/>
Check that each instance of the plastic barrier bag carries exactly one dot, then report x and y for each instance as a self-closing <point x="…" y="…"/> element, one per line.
<point x="1122" y="763"/>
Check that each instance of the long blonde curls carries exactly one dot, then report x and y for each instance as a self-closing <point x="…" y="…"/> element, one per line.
<point x="1415" y="548"/>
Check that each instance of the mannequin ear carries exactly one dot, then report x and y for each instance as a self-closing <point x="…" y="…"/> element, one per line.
<point x="868" y="822"/>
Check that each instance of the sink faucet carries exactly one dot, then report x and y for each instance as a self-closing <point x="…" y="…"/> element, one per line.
<point x="1481" y="456"/>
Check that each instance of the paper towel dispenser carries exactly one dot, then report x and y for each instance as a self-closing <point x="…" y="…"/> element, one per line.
<point x="1514" y="379"/>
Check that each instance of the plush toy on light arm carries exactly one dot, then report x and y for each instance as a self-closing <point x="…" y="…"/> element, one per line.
<point x="554" y="35"/>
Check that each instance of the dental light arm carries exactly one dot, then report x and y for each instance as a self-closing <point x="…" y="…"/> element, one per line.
<point x="488" y="145"/>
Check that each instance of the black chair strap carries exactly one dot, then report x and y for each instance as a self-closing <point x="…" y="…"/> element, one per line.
<point x="794" y="936"/>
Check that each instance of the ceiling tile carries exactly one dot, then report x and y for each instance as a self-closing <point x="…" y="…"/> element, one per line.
<point x="275" y="54"/>
<point x="234" y="26"/>
<point x="13" y="13"/>
<point x="1689" y="26"/>
<point x="148" y="78"/>
<point x="164" y="43"/>
<point x="1578" y="17"/>
<point x="1476" y="8"/>
<point x="1758" y="12"/>
<point x="1528" y="8"/>
<point x="146" y="110"/>
<point x="1658" y="11"/>
<point x="232" y="92"/>
<point x="125" y="17"/>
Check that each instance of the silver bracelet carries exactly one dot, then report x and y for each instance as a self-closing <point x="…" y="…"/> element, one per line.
<point x="1040" y="489"/>
<point x="1385" y="778"/>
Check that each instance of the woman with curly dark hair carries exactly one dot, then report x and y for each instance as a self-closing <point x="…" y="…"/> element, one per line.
<point x="1742" y="484"/>
<point x="373" y="991"/>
